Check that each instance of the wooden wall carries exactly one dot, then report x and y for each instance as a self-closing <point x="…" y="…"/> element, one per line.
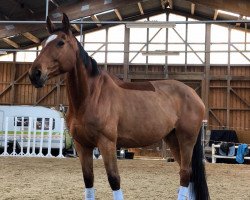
<point x="224" y="89"/>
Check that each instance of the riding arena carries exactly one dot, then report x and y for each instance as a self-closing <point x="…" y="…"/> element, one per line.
<point x="125" y="100"/>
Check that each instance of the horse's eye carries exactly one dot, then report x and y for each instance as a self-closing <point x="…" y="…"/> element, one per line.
<point x="60" y="43"/>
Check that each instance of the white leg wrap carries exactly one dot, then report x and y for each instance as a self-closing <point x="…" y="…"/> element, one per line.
<point x="117" y="194"/>
<point x="183" y="193"/>
<point x="89" y="194"/>
<point x="191" y="195"/>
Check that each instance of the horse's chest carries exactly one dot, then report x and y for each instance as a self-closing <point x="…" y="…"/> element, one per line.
<point x="82" y="131"/>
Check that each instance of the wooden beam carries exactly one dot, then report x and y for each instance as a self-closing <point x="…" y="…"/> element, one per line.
<point x="76" y="27"/>
<point x="216" y="118"/>
<point x="31" y="37"/>
<point x="13" y="76"/>
<point x="11" y="43"/>
<point x="74" y="11"/>
<point x="164" y="4"/>
<point x="242" y="100"/>
<point x="95" y="19"/>
<point x="216" y="12"/>
<point x="170" y="2"/>
<point x="118" y="14"/>
<point x="241" y="7"/>
<point x="140" y="8"/>
<point x="10" y="85"/>
<point x="167" y="4"/>
<point x="49" y="92"/>
<point x="192" y="8"/>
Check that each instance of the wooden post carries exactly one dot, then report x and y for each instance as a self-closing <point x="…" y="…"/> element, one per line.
<point x="228" y="78"/>
<point x="126" y="54"/>
<point x="207" y="68"/>
<point x="13" y="76"/>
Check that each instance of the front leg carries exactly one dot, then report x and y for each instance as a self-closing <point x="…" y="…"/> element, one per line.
<point x="86" y="158"/>
<point x="108" y="151"/>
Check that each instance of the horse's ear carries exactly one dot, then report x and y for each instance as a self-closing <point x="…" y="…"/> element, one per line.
<point x="50" y="26"/>
<point x="66" y="23"/>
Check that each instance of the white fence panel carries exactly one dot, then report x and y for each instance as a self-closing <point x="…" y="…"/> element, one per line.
<point x="30" y="138"/>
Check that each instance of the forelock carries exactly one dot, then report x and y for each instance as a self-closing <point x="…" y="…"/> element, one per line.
<point x="49" y="39"/>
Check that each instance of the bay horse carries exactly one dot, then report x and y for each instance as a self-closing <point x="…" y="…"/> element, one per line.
<point x="108" y="113"/>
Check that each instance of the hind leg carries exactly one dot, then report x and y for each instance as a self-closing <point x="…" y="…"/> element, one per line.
<point x="187" y="141"/>
<point x="173" y="144"/>
<point x="183" y="156"/>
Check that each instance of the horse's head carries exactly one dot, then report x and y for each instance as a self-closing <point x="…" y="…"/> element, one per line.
<point x="57" y="56"/>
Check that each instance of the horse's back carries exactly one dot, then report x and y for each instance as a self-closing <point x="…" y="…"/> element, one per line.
<point x="188" y="104"/>
<point x="178" y="90"/>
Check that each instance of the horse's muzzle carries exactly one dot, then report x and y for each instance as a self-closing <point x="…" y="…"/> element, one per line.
<point x="36" y="78"/>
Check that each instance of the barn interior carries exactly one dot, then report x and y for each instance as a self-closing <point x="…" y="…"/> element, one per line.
<point x="211" y="38"/>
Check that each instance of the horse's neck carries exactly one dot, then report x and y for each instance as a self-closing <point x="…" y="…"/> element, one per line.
<point x="77" y="88"/>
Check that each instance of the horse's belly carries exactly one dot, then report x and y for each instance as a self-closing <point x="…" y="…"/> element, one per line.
<point x="143" y="134"/>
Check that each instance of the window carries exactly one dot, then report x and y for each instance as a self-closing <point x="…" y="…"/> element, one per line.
<point x="7" y="57"/>
<point x="21" y="120"/>
<point x="26" y="56"/>
<point x="46" y="124"/>
<point x="25" y="122"/>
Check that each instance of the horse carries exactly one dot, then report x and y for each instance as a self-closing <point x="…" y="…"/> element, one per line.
<point x="108" y="113"/>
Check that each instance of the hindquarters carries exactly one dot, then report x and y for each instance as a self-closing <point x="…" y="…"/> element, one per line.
<point x="185" y="143"/>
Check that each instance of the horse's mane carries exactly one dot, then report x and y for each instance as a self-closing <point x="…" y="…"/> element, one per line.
<point x="92" y="67"/>
<point x="88" y="61"/>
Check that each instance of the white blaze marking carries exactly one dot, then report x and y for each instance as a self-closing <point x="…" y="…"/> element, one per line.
<point x="50" y="38"/>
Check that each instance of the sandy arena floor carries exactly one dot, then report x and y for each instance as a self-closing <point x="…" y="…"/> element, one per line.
<point x="52" y="179"/>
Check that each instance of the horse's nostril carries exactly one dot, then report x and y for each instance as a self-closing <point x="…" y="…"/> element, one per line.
<point x="37" y="74"/>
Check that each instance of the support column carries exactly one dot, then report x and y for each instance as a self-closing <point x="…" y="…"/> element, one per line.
<point x="228" y="78"/>
<point x="207" y="69"/>
<point x="13" y="77"/>
<point x="186" y="44"/>
<point x="106" y="51"/>
<point x="126" y="54"/>
<point x="166" y="48"/>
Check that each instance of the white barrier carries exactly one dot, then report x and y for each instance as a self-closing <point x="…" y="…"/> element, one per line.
<point x="30" y="140"/>
<point x="215" y="156"/>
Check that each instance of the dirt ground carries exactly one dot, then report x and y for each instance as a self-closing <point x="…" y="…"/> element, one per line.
<point x="52" y="179"/>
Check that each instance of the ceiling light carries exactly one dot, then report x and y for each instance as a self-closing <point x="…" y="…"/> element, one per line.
<point x="228" y="13"/>
<point x="160" y="53"/>
<point x="150" y="24"/>
<point x="3" y="52"/>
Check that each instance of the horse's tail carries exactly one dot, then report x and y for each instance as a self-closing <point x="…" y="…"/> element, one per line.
<point x="198" y="176"/>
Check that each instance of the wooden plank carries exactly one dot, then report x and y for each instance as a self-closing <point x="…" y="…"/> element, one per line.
<point x="31" y="37"/>
<point x="225" y="77"/>
<point x="126" y="54"/>
<point x="11" y="43"/>
<point x="95" y="19"/>
<point x="13" y="76"/>
<point x="48" y="93"/>
<point x="76" y="27"/>
<point x="216" y="12"/>
<point x="243" y="100"/>
<point x="140" y="8"/>
<point x="118" y="14"/>
<point x="216" y="118"/>
<point x="192" y="8"/>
